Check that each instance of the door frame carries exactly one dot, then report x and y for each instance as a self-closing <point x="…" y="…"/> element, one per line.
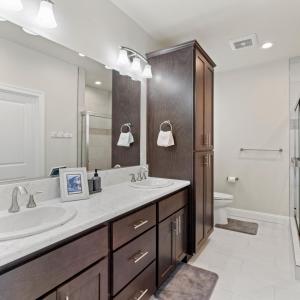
<point x="40" y="128"/>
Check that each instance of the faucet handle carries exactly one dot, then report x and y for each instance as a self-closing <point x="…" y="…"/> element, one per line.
<point x="31" y="202"/>
<point x="132" y="177"/>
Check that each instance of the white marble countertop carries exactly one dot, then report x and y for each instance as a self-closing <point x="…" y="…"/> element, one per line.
<point x="112" y="202"/>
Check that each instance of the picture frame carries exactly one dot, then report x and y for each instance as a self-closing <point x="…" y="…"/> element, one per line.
<point x="73" y="184"/>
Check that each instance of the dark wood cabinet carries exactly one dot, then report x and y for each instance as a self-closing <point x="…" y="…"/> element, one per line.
<point x="182" y="91"/>
<point x="203" y="194"/>
<point x="172" y="243"/>
<point x="89" y="285"/>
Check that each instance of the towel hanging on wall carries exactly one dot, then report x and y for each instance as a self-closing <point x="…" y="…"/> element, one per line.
<point x="165" y="138"/>
<point x="126" y="138"/>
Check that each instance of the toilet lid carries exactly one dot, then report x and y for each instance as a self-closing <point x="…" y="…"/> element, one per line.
<point x="222" y="196"/>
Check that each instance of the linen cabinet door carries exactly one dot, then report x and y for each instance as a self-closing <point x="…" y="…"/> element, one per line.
<point x="166" y="246"/>
<point x="209" y="107"/>
<point x="198" y="204"/>
<point x="181" y="234"/>
<point x="201" y="140"/>
<point x="209" y="194"/>
<point x="90" y="285"/>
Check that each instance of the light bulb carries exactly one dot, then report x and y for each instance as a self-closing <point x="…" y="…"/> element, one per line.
<point x="12" y="5"/>
<point x="136" y="69"/>
<point x="123" y="62"/>
<point x="147" y="73"/>
<point x="45" y="17"/>
<point x="267" y="45"/>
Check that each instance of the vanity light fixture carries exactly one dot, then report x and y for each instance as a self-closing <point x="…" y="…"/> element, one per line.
<point x="134" y="68"/>
<point x="45" y="17"/>
<point x="267" y="45"/>
<point x="29" y="31"/>
<point x="147" y="73"/>
<point x="123" y="62"/>
<point x="12" y="5"/>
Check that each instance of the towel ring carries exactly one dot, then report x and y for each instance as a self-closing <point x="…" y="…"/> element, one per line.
<point x="128" y="125"/>
<point x="168" y="122"/>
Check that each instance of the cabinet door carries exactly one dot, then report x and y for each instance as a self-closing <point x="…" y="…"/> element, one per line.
<point x="204" y="82"/>
<point x="198" y="204"/>
<point x="180" y="234"/>
<point x="208" y="194"/>
<point x="51" y="296"/>
<point x="90" y="285"/>
<point x="208" y="107"/>
<point x="166" y="246"/>
<point x="200" y="138"/>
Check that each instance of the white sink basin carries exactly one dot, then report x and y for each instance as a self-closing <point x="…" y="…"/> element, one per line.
<point x="31" y="221"/>
<point x="152" y="183"/>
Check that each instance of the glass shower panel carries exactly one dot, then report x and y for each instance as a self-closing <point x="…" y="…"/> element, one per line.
<point x="96" y="139"/>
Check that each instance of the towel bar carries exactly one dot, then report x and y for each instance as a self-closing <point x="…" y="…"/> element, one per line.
<point x="261" y="150"/>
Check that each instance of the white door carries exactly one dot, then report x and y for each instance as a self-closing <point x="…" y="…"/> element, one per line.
<point x="20" y="136"/>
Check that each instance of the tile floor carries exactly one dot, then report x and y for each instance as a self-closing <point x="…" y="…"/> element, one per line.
<point x="257" y="267"/>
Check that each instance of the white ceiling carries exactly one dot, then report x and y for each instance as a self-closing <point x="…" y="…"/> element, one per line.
<point x="94" y="71"/>
<point x="214" y="22"/>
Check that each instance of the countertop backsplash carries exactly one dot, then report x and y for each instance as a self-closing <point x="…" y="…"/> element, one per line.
<point x="50" y="186"/>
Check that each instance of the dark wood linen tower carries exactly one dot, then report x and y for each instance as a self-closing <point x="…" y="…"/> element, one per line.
<point x="181" y="91"/>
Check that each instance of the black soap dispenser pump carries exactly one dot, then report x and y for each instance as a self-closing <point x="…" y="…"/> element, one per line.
<point x="96" y="182"/>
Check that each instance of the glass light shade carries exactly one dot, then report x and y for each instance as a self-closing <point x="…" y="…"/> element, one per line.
<point x="123" y="62"/>
<point x="45" y="17"/>
<point x="147" y="73"/>
<point x="12" y="5"/>
<point x="136" y="69"/>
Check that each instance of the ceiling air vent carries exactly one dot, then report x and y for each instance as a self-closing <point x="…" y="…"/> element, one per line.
<point x="248" y="41"/>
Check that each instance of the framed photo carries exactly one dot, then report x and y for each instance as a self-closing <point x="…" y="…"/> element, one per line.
<point x="73" y="184"/>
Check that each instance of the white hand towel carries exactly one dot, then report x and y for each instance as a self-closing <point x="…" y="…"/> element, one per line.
<point x="165" y="139"/>
<point x="124" y="139"/>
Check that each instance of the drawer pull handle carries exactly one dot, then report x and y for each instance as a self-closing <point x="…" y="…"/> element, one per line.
<point x="142" y="294"/>
<point x="67" y="298"/>
<point x="140" y="255"/>
<point x="140" y="224"/>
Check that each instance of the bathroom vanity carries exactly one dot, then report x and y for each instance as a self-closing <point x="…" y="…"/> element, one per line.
<point x="123" y="244"/>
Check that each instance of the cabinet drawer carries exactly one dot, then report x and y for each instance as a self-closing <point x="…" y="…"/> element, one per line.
<point x="131" y="259"/>
<point x="35" y="278"/>
<point x="133" y="225"/>
<point x="172" y="204"/>
<point x="143" y="287"/>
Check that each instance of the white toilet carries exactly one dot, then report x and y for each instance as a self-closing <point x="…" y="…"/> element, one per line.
<point x="221" y="202"/>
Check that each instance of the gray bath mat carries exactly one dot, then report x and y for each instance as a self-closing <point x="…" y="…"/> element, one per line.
<point x="240" y="226"/>
<point x="188" y="283"/>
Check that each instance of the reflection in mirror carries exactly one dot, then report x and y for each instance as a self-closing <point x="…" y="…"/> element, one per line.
<point x="59" y="108"/>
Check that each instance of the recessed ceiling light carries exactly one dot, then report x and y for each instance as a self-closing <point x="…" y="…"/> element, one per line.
<point x="81" y="54"/>
<point x="29" y="31"/>
<point x="98" y="82"/>
<point x="267" y="45"/>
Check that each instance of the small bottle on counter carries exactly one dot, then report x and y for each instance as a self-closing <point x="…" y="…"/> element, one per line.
<point x="96" y="182"/>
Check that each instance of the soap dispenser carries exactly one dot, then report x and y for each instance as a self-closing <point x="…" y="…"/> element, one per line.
<point x="96" y="182"/>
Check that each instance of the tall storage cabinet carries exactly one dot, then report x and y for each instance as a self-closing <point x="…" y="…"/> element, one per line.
<point x="181" y="91"/>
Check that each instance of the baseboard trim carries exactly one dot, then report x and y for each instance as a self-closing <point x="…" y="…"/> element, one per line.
<point x="259" y="216"/>
<point x="296" y="246"/>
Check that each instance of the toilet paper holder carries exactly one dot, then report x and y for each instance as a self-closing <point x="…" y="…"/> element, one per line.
<point x="232" y="179"/>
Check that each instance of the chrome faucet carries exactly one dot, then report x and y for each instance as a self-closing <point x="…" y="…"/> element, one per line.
<point x="142" y="175"/>
<point x="14" y="201"/>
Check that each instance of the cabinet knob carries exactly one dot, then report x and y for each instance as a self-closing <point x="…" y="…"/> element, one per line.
<point x="141" y="295"/>
<point x="139" y="256"/>
<point x="140" y="224"/>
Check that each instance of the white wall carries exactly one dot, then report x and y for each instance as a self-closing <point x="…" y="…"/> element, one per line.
<point x="26" y="68"/>
<point x="252" y="110"/>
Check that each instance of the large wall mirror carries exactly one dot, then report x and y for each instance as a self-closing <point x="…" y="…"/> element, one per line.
<point x="61" y="108"/>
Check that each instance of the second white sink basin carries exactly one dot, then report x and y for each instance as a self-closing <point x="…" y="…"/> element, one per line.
<point x="152" y="183"/>
<point x="32" y="221"/>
